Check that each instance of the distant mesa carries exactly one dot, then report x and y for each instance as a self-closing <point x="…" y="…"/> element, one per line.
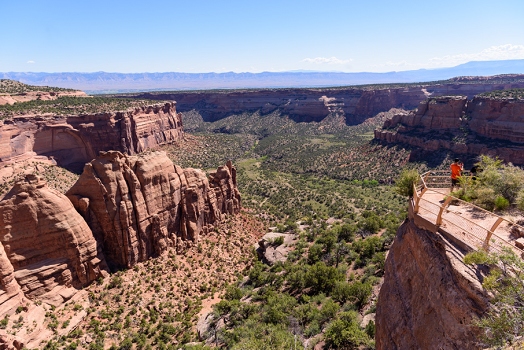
<point x="314" y="104"/>
<point x="99" y="82"/>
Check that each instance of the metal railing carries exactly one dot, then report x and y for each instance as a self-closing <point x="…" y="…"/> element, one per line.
<point x="468" y="231"/>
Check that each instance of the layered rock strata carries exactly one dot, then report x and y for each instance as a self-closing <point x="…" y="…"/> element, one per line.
<point x="46" y="246"/>
<point x="429" y="297"/>
<point x="78" y="139"/>
<point x="313" y="105"/>
<point x="137" y="206"/>
<point x="478" y="126"/>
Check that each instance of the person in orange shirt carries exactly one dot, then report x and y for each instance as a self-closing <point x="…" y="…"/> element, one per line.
<point x="456" y="172"/>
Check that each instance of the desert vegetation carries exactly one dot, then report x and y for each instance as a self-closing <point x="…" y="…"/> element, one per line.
<point x="156" y="304"/>
<point x="329" y="148"/>
<point x="12" y="87"/>
<point x="70" y="106"/>
<point x="321" y="293"/>
<point x="502" y="325"/>
<point x="326" y="184"/>
<point x="343" y="219"/>
<point x="517" y="94"/>
<point x="497" y="186"/>
<point x="56" y="177"/>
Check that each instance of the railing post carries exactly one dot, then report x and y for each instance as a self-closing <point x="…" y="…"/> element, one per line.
<point x="439" y="216"/>
<point x="490" y="232"/>
<point x="416" y="199"/>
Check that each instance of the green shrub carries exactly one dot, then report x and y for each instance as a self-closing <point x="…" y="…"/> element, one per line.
<point x="345" y="333"/>
<point x="4" y="322"/>
<point x="233" y="293"/>
<point x="341" y="292"/>
<point x="501" y="203"/>
<point x="322" y="278"/>
<point x="347" y="233"/>
<point x="277" y="241"/>
<point x="359" y="293"/>
<point x="370" y="329"/>
<point x="406" y="180"/>
<point x="485" y="197"/>
<point x="503" y="321"/>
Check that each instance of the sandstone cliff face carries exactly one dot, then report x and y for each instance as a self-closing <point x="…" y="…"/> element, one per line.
<point x="429" y="296"/>
<point x="138" y="206"/>
<point x="46" y="246"/>
<point x="478" y="126"/>
<point x="301" y="105"/>
<point x="78" y="139"/>
<point x="123" y="209"/>
<point x="307" y="105"/>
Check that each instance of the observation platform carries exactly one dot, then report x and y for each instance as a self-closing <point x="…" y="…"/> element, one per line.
<point x="467" y="225"/>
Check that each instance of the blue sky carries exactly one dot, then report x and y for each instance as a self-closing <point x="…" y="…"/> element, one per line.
<point x="254" y="36"/>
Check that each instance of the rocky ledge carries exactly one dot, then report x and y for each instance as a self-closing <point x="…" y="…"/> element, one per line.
<point x="481" y="125"/>
<point x="6" y="98"/>
<point x="74" y="140"/>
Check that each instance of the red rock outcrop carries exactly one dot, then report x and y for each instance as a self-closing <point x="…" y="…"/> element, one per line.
<point x="78" y="139"/>
<point x="46" y="246"/>
<point x="429" y="297"/>
<point x="137" y="206"/>
<point x="478" y="126"/>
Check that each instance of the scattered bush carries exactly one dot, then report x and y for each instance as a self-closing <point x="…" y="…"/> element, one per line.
<point x="501" y="203"/>
<point x="503" y="321"/>
<point x="345" y="333"/>
<point x="406" y="180"/>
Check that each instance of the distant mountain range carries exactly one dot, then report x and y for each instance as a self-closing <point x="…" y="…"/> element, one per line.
<point x="103" y="82"/>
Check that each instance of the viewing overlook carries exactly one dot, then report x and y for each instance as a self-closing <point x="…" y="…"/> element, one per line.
<point x="433" y="208"/>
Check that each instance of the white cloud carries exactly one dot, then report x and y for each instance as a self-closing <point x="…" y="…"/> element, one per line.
<point x="326" y="60"/>
<point x="501" y="52"/>
<point x="31" y="62"/>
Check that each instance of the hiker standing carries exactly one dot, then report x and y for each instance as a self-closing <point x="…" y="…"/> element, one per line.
<point x="456" y="171"/>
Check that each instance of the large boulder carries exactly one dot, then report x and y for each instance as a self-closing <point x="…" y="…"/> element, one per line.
<point x="46" y="247"/>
